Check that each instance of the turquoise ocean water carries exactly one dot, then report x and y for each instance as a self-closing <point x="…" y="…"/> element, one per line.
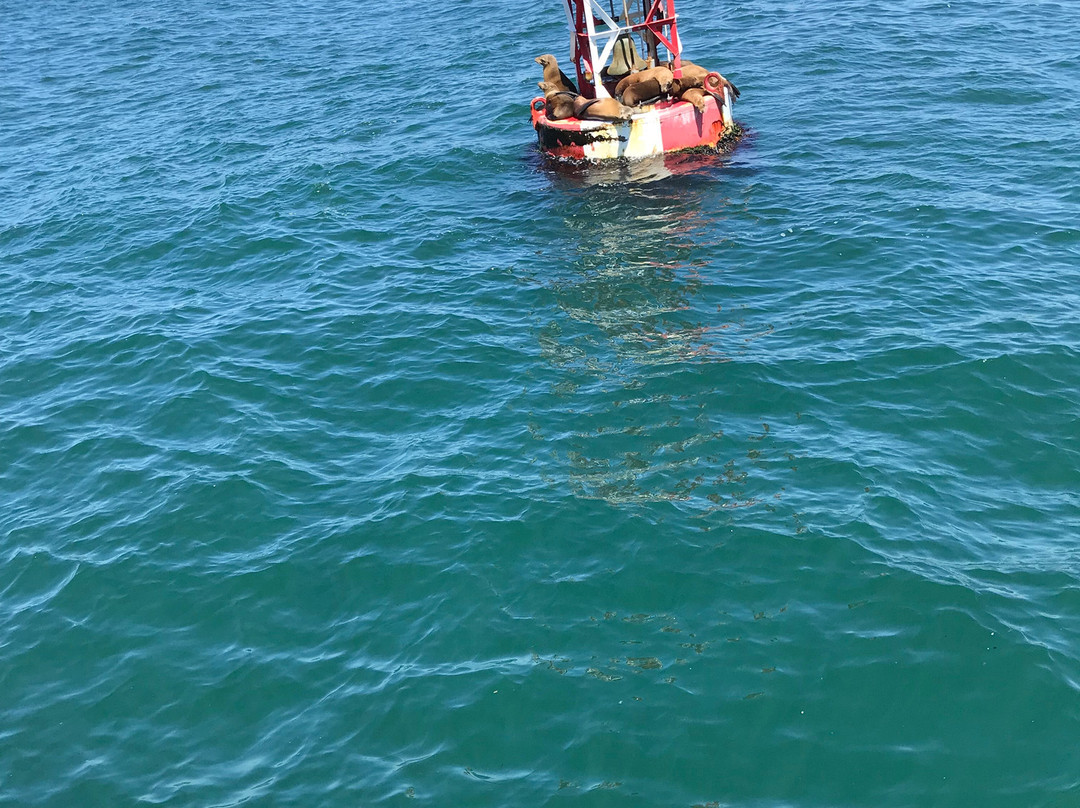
<point x="353" y="455"/>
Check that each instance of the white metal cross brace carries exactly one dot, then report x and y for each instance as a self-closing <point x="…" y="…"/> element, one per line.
<point x="598" y="59"/>
<point x="608" y="37"/>
<point x="573" y="30"/>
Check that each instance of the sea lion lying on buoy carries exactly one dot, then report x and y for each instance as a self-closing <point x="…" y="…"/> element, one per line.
<point x="560" y="103"/>
<point x="692" y="76"/>
<point x="554" y="75"/>
<point x="637" y="94"/>
<point x="601" y="109"/>
<point x="696" y="96"/>
<point x="661" y="75"/>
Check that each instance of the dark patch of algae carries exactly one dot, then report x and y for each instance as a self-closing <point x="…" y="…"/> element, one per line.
<point x="725" y="145"/>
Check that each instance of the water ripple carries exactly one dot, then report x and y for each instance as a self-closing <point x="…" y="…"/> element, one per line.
<point x="355" y="454"/>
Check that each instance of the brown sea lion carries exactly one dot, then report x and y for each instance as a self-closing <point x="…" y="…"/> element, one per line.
<point x="696" y="96"/>
<point x="560" y="103"/>
<point x="662" y="75"/>
<point x="641" y="92"/>
<point x="554" y="75"/>
<point x="601" y="109"/>
<point x="692" y="76"/>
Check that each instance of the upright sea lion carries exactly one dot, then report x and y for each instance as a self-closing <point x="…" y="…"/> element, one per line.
<point x="601" y="109"/>
<point x="560" y="103"/>
<point x="662" y="75"/>
<point x="553" y="74"/>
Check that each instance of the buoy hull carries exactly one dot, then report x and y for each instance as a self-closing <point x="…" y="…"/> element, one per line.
<point x="666" y="126"/>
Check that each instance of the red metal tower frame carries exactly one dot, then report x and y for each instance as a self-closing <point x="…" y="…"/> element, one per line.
<point x="590" y="23"/>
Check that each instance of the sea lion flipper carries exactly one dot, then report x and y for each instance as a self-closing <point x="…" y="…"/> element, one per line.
<point x="581" y="109"/>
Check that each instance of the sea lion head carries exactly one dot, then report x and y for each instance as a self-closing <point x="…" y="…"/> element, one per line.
<point x="696" y="96"/>
<point x="665" y="78"/>
<point x="545" y="60"/>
